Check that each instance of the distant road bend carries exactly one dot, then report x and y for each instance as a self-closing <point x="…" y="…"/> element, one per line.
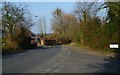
<point x="60" y="59"/>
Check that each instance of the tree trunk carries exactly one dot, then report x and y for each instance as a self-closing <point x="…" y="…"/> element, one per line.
<point x="11" y="35"/>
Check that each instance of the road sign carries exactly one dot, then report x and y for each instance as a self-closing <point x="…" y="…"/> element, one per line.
<point x="113" y="45"/>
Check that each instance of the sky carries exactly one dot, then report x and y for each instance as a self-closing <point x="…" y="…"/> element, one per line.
<point x="45" y="9"/>
<point x="60" y="0"/>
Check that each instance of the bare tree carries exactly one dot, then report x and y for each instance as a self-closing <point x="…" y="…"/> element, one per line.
<point x="71" y="26"/>
<point x="86" y="11"/>
<point x="16" y="23"/>
<point x="57" y="21"/>
<point x="28" y="23"/>
<point x="12" y="15"/>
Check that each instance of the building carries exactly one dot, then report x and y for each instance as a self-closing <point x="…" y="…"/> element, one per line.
<point x="41" y="41"/>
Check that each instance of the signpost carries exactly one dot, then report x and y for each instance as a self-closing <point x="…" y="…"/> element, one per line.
<point x="113" y="45"/>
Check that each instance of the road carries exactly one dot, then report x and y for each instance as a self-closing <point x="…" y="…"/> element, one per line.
<point x="59" y="59"/>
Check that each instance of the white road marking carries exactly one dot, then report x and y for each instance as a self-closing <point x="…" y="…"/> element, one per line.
<point x="63" y="59"/>
<point x="48" y="69"/>
<point x="57" y="70"/>
<point x="65" y="49"/>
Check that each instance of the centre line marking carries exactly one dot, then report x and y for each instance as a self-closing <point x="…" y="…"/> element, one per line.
<point x="48" y="69"/>
<point x="57" y="70"/>
<point x="65" y="49"/>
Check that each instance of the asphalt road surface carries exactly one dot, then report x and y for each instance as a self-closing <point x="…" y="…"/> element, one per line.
<point x="59" y="59"/>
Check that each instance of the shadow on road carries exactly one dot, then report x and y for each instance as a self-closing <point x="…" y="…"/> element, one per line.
<point x="45" y="47"/>
<point x="111" y="65"/>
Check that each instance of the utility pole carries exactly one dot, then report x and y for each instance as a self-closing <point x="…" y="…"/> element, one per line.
<point x="41" y="27"/>
<point x="44" y="26"/>
<point x="36" y="20"/>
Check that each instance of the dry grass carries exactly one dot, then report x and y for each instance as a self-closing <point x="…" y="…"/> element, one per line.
<point x="94" y="51"/>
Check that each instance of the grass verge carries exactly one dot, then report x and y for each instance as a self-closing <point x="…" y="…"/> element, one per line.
<point x="110" y="52"/>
